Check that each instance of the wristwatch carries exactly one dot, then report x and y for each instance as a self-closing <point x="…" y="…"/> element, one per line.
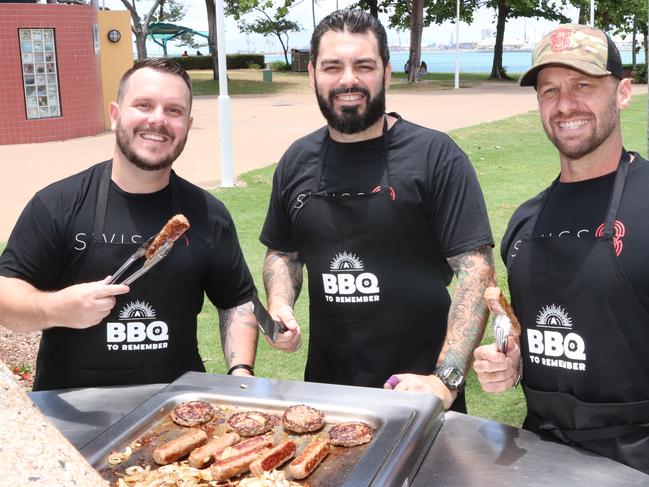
<point x="452" y="377"/>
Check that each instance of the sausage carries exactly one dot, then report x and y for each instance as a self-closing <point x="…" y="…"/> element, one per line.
<point x="206" y="454"/>
<point x="181" y="446"/>
<point x="498" y="304"/>
<point x="173" y="229"/>
<point x="307" y="461"/>
<point x="236" y="465"/>
<point x="273" y="458"/>
<point x="250" y="444"/>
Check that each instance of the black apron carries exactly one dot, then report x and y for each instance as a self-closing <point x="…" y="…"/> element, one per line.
<point x="149" y="336"/>
<point x="378" y="301"/>
<point x="584" y="340"/>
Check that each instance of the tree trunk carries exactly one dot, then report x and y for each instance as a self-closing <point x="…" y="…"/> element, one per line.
<point x="416" y="27"/>
<point x="313" y="12"/>
<point x="211" y="41"/>
<point x="284" y="46"/>
<point x="374" y="8"/>
<point x="497" y="70"/>
<point x="584" y="16"/>
<point x="140" y="42"/>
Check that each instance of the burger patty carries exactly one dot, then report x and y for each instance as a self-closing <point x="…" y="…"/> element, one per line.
<point x="350" y="434"/>
<point x="193" y="413"/>
<point x="302" y="419"/>
<point x="250" y="423"/>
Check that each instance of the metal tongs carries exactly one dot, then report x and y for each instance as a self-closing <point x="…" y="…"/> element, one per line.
<point x="501" y="327"/>
<point x="505" y="322"/>
<point x="160" y="253"/>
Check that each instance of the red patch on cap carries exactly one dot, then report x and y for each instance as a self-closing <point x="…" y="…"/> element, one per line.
<point x="560" y="40"/>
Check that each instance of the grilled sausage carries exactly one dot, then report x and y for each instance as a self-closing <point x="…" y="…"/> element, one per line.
<point x="250" y="444"/>
<point x="235" y="465"/>
<point x="173" y="229"/>
<point x="273" y="458"/>
<point x="498" y="304"/>
<point x="210" y="451"/>
<point x="307" y="461"/>
<point x="181" y="446"/>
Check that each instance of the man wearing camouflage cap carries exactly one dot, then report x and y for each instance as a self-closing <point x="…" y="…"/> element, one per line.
<point x="576" y="260"/>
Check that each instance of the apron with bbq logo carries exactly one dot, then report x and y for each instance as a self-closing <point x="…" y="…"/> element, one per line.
<point x="378" y="300"/>
<point x="585" y="336"/>
<point x="150" y="334"/>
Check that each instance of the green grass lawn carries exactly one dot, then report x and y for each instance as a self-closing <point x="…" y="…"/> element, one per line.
<point x="249" y="82"/>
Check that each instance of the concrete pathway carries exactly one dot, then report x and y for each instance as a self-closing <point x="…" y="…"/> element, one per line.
<point x="263" y="127"/>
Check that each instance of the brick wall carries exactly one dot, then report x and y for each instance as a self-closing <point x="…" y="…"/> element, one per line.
<point x="78" y="73"/>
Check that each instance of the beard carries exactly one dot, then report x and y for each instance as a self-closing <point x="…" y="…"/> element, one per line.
<point x="605" y="126"/>
<point x="351" y="119"/>
<point x="124" y="142"/>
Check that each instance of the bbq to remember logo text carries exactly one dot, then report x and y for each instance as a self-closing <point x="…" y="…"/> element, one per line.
<point x="348" y="282"/>
<point x="139" y="330"/>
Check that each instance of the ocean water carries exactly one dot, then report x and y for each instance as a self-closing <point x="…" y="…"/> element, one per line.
<point x="470" y="61"/>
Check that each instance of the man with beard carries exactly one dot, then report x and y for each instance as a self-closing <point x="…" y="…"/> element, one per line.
<point x="382" y="212"/>
<point x="576" y="260"/>
<point x="77" y="231"/>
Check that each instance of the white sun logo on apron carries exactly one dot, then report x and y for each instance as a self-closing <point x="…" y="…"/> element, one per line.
<point x="553" y="316"/>
<point x="346" y="261"/>
<point x="138" y="309"/>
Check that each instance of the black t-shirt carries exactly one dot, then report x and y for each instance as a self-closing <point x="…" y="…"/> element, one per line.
<point x="53" y="233"/>
<point x="579" y="209"/>
<point x="431" y="178"/>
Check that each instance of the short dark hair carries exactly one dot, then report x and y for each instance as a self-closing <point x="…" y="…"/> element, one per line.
<point x="355" y="21"/>
<point x="162" y="65"/>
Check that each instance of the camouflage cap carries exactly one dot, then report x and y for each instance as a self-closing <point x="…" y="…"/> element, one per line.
<point x="576" y="46"/>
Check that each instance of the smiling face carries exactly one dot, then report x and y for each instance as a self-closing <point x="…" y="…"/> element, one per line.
<point x="580" y="113"/>
<point x="350" y="80"/>
<point x="151" y="121"/>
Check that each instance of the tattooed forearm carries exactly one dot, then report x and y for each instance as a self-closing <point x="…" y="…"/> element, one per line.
<point x="282" y="276"/>
<point x="468" y="313"/>
<point x="239" y="334"/>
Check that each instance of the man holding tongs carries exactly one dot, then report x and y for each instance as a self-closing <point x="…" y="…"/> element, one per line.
<point x="138" y="325"/>
<point x="577" y="264"/>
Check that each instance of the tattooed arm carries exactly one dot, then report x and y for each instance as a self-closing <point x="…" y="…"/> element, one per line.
<point x="467" y="318"/>
<point x="283" y="282"/>
<point x="239" y="336"/>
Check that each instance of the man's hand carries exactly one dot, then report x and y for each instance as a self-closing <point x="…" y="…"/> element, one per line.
<point x="83" y="305"/>
<point x="291" y="339"/>
<point x="283" y="281"/>
<point x="26" y="308"/>
<point x="422" y="383"/>
<point x="497" y="371"/>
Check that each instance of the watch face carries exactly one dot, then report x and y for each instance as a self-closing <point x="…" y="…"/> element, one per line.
<point x="452" y="377"/>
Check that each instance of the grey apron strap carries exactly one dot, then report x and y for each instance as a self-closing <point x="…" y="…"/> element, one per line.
<point x="102" y="201"/>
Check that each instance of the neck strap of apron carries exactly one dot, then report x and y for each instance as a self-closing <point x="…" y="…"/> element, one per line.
<point x="616" y="196"/>
<point x="385" y="177"/>
<point x="614" y="202"/>
<point x="103" y="194"/>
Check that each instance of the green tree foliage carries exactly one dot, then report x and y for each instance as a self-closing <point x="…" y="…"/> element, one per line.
<point x="623" y="19"/>
<point x="269" y="18"/>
